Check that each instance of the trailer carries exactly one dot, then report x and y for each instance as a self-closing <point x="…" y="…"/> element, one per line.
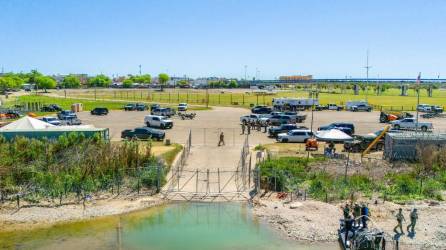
<point x="294" y="103"/>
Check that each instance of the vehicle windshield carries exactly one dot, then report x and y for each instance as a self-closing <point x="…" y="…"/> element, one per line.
<point x="50" y="119"/>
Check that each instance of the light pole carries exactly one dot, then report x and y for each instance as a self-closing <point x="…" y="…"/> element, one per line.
<point x="367" y="67"/>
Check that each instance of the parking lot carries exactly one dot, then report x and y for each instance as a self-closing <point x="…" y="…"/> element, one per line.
<point x="208" y="124"/>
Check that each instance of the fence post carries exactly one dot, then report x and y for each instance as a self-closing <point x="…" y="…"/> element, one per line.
<point x="18" y="201"/>
<point x="158" y="178"/>
<point x="207" y="181"/>
<point x="196" y="181"/>
<point x="243" y="99"/>
<point x="218" y="174"/>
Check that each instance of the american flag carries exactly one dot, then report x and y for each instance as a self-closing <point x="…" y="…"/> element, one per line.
<point x="419" y="78"/>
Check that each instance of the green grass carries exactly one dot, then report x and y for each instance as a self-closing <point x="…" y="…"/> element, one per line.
<point x="389" y="98"/>
<point x="169" y="156"/>
<point x="66" y="103"/>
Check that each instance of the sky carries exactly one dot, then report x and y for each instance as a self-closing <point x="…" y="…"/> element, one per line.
<point x="197" y="38"/>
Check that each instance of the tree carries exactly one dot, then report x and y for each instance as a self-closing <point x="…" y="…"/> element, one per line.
<point x="71" y="81"/>
<point x="45" y="82"/>
<point x="233" y="84"/>
<point x="146" y="78"/>
<point x="127" y="83"/>
<point x="163" y="78"/>
<point x="33" y="75"/>
<point x="99" y="81"/>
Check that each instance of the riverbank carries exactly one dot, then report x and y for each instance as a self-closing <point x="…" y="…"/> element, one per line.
<point x="316" y="221"/>
<point x="45" y="216"/>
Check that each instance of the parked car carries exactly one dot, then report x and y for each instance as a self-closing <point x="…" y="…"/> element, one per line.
<point x="141" y="107"/>
<point x="424" y="108"/>
<point x="163" y="112"/>
<point x="261" y="110"/>
<point x="436" y="109"/>
<point x="361" y="107"/>
<point x="284" y="128"/>
<point x="143" y="133"/>
<point x="295" y="116"/>
<point x="330" y="106"/>
<point x="154" y="106"/>
<point x="297" y="135"/>
<point x="411" y="123"/>
<point x="345" y="127"/>
<point x="10" y="114"/>
<point x="254" y="118"/>
<point x="182" y="107"/>
<point x="158" y="121"/>
<point x="130" y="107"/>
<point x="51" y="108"/>
<point x="277" y="120"/>
<point x="51" y="120"/>
<point x="70" y="120"/>
<point x="99" y="111"/>
<point x="66" y="114"/>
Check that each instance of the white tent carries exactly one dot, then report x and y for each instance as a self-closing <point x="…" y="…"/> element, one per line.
<point x="26" y="123"/>
<point x="332" y="135"/>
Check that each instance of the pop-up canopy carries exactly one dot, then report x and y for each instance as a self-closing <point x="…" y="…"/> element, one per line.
<point x="332" y="135"/>
<point x="26" y="123"/>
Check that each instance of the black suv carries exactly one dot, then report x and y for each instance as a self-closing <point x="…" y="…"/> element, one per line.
<point x="143" y="133"/>
<point x="141" y="107"/>
<point x="130" y="107"/>
<point x="345" y="127"/>
<point x="99" y="111"/>
<point x="51" y="108"/>
<point x="261" y="110"/>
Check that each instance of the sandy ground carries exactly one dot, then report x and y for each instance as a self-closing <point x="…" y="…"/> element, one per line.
<point x="318" y="221"/>
<point x="37" y="217"/>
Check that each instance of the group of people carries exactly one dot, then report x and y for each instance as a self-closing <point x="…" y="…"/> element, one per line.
<point x="361" y="214"/>
<point x="254" y="125"/>
<point x="330" y="149"/>
<point x="400" y="218"/>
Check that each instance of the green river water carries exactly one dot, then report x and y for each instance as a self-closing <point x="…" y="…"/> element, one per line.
<point x="173" y="226"/>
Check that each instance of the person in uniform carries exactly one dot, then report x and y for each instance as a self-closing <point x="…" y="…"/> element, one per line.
<point x="399" y="218"/>
<point x="413" y="221"/>
<point x="346" y="211"/>
<point x="365" y="214"/>
<point x="243" y="128"/>
<point x="222" y="139"/>
<point x="357" y="213"/>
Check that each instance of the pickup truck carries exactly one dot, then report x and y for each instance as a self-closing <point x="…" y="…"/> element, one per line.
<point x="51" y="120"/>
<point x="261" y="110"/>
<point x="158" y="121"/>
<point x="329" y="106"/>
<point x="163" y="112"/>
<point x="143" y="133"/>
<point x="254" y="118"/>
<point x="411" y="123"/>
<point x="295" y="116"/>
<point x="66" y="114"/>
<point x="361" y="107"/>
<point x="284" y="128"/>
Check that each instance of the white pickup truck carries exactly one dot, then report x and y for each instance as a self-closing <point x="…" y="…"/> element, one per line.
<point x="411" y="123"/>
<point x="158" y="121"/>
<point x="254" y="118"/>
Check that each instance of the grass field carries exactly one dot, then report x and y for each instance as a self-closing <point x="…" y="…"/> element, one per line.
<point x="388" y="100"/>
<point x="66" y="103"/>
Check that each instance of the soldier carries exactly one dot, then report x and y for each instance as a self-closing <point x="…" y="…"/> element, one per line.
<point x="365" y="215"/>
<point x="346" y="211"/>
<point x="249" y="128"/>
<point x="399" y="218"/>
<point x="357" y="213"/>
<point x="259" y="126"/>
<point x="243" y="128"/>
<point x="265" y="126"/>
<point x="222" y="139"/>
<point x="413" y="221"/>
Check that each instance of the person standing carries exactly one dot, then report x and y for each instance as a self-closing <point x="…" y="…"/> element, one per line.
<point x="364" y="215"/>
<point x="249" y="128"/>
<point x="243" y="128"/>
<point x="348" y="227"/>
<point x="222" y="139"/>
<point x="357" y="214"/>
<point x="346" y="211"/>
<point x="399" y="218"/>
<point x="413" y="221"/>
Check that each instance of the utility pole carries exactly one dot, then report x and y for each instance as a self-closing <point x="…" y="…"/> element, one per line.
<point x="367" y="67"/>
<point x="246" y="68"/>
<point x="140" y="69"/>
<point x="418" y="96"/>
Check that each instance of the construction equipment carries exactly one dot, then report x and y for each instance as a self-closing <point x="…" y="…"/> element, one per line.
<point x="385" y="117"/>
<point x="311" y="144"/>
<point x="374" y="142"/>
